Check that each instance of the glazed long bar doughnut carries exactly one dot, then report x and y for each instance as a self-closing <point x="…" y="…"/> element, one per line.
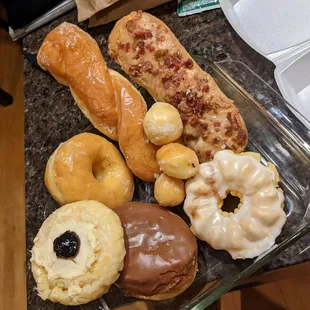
<point x="150" y="53"/>
<point x="73" y="57"/>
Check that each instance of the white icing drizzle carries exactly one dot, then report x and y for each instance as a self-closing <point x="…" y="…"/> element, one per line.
<point x="251" y="230"/>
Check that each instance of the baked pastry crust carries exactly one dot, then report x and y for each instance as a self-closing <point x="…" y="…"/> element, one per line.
<point x="150" y="53"/>
<point x="139" y="152"/>
<point x="161" y="259"/>
<point x="89" y="167"/>
<point x="97" y="264"/>
<point x="257" y="221"/>
<point x="73" y="57"/>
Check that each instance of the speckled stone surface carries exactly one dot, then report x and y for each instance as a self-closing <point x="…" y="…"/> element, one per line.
<point x="51" y="117"/>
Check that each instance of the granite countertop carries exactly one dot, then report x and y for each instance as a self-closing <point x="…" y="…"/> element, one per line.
<point x="51" y="116"/>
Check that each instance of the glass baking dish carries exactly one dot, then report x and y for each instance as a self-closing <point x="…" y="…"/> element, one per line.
<point x="274" y="132"/>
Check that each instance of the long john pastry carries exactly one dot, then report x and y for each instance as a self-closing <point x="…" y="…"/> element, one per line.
<point x="151" y="54"/>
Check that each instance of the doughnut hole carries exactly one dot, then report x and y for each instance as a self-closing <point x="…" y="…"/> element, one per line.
<point x="169" y="191"/>
<point x="231" y="203"/>
<point x="162" y="124"/>
<point x="177" y="161"/>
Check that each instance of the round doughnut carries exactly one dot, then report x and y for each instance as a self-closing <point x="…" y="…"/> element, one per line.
<point x="88" y="167"/>
<point x="78" y="253"/>
<point x="255" y="223"/>
<point x="161" y="259"/>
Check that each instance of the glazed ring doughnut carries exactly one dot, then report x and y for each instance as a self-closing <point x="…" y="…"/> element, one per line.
<point x="88" y="167"/>
<point x="78" y="253"/>
<point x="259" y="217"/>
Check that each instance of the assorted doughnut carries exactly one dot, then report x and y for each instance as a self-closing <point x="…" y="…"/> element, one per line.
<point x="189" y="144"/>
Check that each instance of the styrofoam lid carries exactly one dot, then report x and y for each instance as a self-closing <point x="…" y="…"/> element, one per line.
<point x="293" y="80"/>
<point x="280" y="31"/>
<point x="270" y="26"/>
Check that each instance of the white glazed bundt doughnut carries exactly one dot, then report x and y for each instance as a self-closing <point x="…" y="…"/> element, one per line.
<point x="255" y="223"/>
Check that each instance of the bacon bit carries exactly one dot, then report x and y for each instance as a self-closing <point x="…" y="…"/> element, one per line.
<point x="177" y="98"/>
<point x="127" y="47"/>
<point x="242" y="134"/>
<point x="217" y="124"/>
<point x="141" y="46"/>
<point x="241" y="137"/>
<point x="150" y="47"/>
<point x="215" y="140"/>
<point x="143" y="34"/>
<point x="155" y="72"/>
<point x="166" y="81"/>
<point x="204" y="126"/>
<point x="237" y="119"/>
<point x="176" y="63"/>
<point x="188" y="63"/>
<point x="146" y="66"/>
<point x="208" y="154"/>
<point x="168" y="61"/>
<point x="198" y="107"/>
<point x="160" y="53"/>
<point x="131" y="26"/>
<point x="206" y="89"/>
<point x="134" y="70"/>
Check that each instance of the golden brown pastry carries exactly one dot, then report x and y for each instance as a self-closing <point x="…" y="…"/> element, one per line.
<point x="139" y="152"/>
<point x="78" y="253"/>
<point x="150" y="53"/>
<point x="89" y="167"/>
<point x="74" y="59"/>
<point x="169" y="191"/>
<point x="178" y="161"/>
<point x="250" y="229"/>
<point x="162" y="124"/>
<point x="161" y="252"/>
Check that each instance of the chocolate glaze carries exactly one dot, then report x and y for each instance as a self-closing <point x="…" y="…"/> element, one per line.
<point x="161" y="251"/>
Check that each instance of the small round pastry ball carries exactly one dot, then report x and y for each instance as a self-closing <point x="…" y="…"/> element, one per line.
<point x="169" y="191"/>
<point x="162" y="124"/>
<point x="177" y="161"/>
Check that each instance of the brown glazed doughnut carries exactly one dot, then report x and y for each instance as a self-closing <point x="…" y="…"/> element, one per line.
<point x="161" y="252"/>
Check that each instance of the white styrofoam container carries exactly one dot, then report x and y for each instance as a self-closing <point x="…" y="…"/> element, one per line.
<point x="280" y="31"/>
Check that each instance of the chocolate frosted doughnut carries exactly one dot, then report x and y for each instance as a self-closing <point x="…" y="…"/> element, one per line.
<point x="161" y="259"/>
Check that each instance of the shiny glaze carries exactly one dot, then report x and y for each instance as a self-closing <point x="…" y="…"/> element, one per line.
<point x="160" y="247"/>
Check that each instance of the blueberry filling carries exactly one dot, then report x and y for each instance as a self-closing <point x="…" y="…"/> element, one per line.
<point x="67" y="245"/>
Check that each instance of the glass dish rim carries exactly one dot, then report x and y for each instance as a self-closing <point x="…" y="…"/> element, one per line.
<point x="214" y="292"/>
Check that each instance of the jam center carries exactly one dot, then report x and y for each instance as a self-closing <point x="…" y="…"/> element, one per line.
<point x="67" y="245"/>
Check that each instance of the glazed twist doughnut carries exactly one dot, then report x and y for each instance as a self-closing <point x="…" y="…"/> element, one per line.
<point x="75" y="60"/>
<point x="73" y="57"/>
